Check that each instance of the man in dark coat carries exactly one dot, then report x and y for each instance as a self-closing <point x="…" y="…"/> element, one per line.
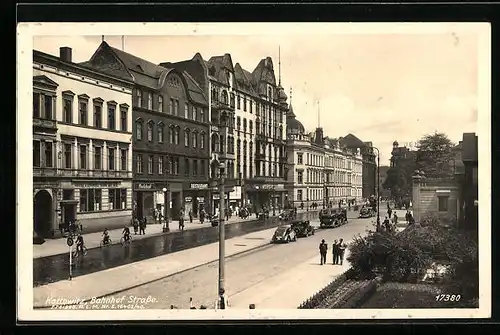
<point x="323" y="249"/>
<point x="335" y="246"/>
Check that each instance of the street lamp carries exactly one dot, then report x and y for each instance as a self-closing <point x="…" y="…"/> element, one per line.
<point x="166" y="205"/>
<point x="378" y="188"/>
<point x="274" y="190"/>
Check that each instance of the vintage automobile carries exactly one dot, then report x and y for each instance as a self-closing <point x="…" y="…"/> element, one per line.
<point x="366" y="212"/>
<point x="284" y="234"/>
<point x="302" y="228"/>
<point x="333" y="217"/>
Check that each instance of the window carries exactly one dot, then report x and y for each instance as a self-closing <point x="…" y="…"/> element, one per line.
<point x="111" y="117"/>
<point x="138" y="100"/>
<point x="150" y="164"/>
<point x="92" y="200"/>
<point x="194" y="113"/>
<point x="84" y="200"/>
<point x="36" y="153"/>
<point x="111" y="159"/>
<point x="68" y="153"/>
<point x="97" y="158"/>
<point x="48" y="154"/>
<point x="83" y="157"/>
<point x="48" y="107"/>
<point x="244" y="125"/>
<point x="176" y="107"/>
<point x="123" y="159"/>
<point x="171" y="106"/>
<point x="176" y="137"/>
<point x="160" y="103"/>
<point x="269" y="93"/>
<point x="117" y="198"/>
<point x="138" y="130"/>
<point x="300" y="177"/>
<point x="202" y="114"/>
<point x="250" y="125"/>
<point x="67" y="109"/>
<point x="245" y="104"/>
<point x="186" y="137"/>
<point x="202" y="168"/>
<point x="224" y="97"/>
<point x="250" y="106"/>
<point x="160" y="165"/>
<point x="150" y="101"/>
<point x="195" y="140"/>
<point x="170" y="166"/>
<point x="232" y="100"/>
<point x="239" y="102"/>
<point x="186" y="111"/>
<point x="123" y="118"/>
<point x="138" y="164"/>
<point x="186" y="167"/>
<point x="36" y="105"/>
<point x="202" y="141"/>
<point x="176" y="165"/>
<point x="172" y="135"/>
<point x="238" y="123"/>
<point x="195" y="167"/>
<point x="150" y="131"/>
<point x="443" y="203"/>
<point x="300" y="158"/>
<point x="82" y="112"/>
<point x="98" y="116"/>
<point x="160" y="133"/>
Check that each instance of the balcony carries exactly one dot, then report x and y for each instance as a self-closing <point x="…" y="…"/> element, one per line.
<point x="55" y="172"/>
<point x="45" y="123"/>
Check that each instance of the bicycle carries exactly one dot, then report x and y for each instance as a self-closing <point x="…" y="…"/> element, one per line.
<point x="124" y="241"/>
<point x="105" y="243"/>
<point x="77" y="252"/>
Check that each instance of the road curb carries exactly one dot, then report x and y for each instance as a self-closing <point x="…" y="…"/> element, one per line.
<point x="154" y="280"/>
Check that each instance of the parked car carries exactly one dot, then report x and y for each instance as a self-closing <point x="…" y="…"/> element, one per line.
<point x="333" y="217"/>
<point x="284" y="234"/>
<point x="302" y="228"/>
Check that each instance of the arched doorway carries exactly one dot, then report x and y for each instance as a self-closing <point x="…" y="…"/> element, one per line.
<point x="42" y="213"/>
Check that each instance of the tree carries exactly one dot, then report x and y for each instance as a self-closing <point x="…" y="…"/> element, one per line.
<point x="398" y="179"/>
<point x="434" y="155"/>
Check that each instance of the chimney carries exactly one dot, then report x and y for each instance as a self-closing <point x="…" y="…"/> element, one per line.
<point x="319" y="136"/>
<point x="65" y="54"/>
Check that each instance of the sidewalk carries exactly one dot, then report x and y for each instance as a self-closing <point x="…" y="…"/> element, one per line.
<point x="289" y="289"/>
<point x="124" y="277"/>
<point x="92" y="240"/>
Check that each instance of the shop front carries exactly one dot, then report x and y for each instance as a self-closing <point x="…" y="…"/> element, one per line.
<point x="149" y="198"/>
<point x="266" y="196"/>
<point x="95" y="203"/>
<point x="196" y="196"/>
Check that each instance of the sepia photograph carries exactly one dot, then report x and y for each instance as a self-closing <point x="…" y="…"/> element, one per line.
<point x="253" y="171"/>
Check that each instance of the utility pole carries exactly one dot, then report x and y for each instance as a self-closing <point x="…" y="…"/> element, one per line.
<point x="222" y="237"/>
<point x="378" y="188"/>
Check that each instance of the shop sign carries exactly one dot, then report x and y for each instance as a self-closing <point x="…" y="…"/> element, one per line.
<point x="188" y="199"/>
<point x="200" y="199"/>
<point x="199" y="186"/>
<point x="144" y="186"/>
<point x="217" y="196"/>
<point x="96" y="184"/>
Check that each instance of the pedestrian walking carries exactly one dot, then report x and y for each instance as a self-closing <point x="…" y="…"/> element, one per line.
<point x="335" y="251"/>
<point x="323" y="249"/>
<point x="135" y="225"/>
<point x="341" y="251"/>
<point x="389" y="211"/>
<point x="190" y="216"/>
<point x="387" y="224"/>
<point x="395" y="218"/>
<point x="181" y="219"/>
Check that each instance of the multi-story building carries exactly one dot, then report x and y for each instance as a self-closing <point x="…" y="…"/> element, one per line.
<point x="369" y="173"/>
<point x="170" y="132"/>
<point x="82" y="148"/>
<point x="321" y="172"/>
<point x="254" y="107"/>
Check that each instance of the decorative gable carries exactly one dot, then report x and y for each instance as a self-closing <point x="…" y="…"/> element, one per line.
<point x="45" y="81"/>
<point x="105" y="61"/>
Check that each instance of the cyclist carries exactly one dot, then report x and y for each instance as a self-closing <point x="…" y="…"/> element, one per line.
<point x="79" y="243"/>
<point x="126" y="234"/>
<point x="105" y="236"/>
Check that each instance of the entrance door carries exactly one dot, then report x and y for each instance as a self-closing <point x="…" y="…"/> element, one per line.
<point x="139" y="205"/>
<point x="42" y="213"/>
<point x="69" y="212"/>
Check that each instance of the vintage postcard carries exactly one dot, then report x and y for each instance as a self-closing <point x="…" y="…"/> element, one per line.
<point x="253" y="171"/>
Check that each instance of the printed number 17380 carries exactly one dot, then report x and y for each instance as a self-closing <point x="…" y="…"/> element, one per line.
<point x="448" y="297"/>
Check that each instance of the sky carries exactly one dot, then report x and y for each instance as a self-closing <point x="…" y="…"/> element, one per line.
<point x="379" y="87"/>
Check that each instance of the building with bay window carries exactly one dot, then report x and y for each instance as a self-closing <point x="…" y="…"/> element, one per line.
<point x="82" y="145"/>
<point x="170" y="133"/>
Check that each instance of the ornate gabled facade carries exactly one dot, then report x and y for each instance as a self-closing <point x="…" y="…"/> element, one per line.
<point x="170" y="132"/>
<point x="82" y="147"/>
<point x="254" y="107"/>
<point x="321" y="171"/>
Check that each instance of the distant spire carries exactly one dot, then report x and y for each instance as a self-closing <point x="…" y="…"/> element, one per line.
<point x="290" y="95"/>
<point x="279" y="65"/>
<point x="102" y="37"/>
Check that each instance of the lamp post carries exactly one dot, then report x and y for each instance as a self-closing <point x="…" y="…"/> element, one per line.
<point x="222" y="237"/>
<point x="378" y="188"/>
<point x="274" y="190"/>
<point x="307" y="190"/>
<point x="166" y="205"/>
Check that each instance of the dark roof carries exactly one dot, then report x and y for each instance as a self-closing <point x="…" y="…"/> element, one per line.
<point x="194" y="90"/>
<point x="351" y="141"/>
<point x="292" y="124"/>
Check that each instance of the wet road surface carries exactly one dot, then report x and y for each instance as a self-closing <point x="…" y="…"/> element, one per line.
<point x="55" y="268"/>
<point x="242" y="271"/>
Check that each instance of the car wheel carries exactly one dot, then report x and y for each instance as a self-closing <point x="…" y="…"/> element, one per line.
<point x="295" y="238"/>
<point x="288" y="239"/>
